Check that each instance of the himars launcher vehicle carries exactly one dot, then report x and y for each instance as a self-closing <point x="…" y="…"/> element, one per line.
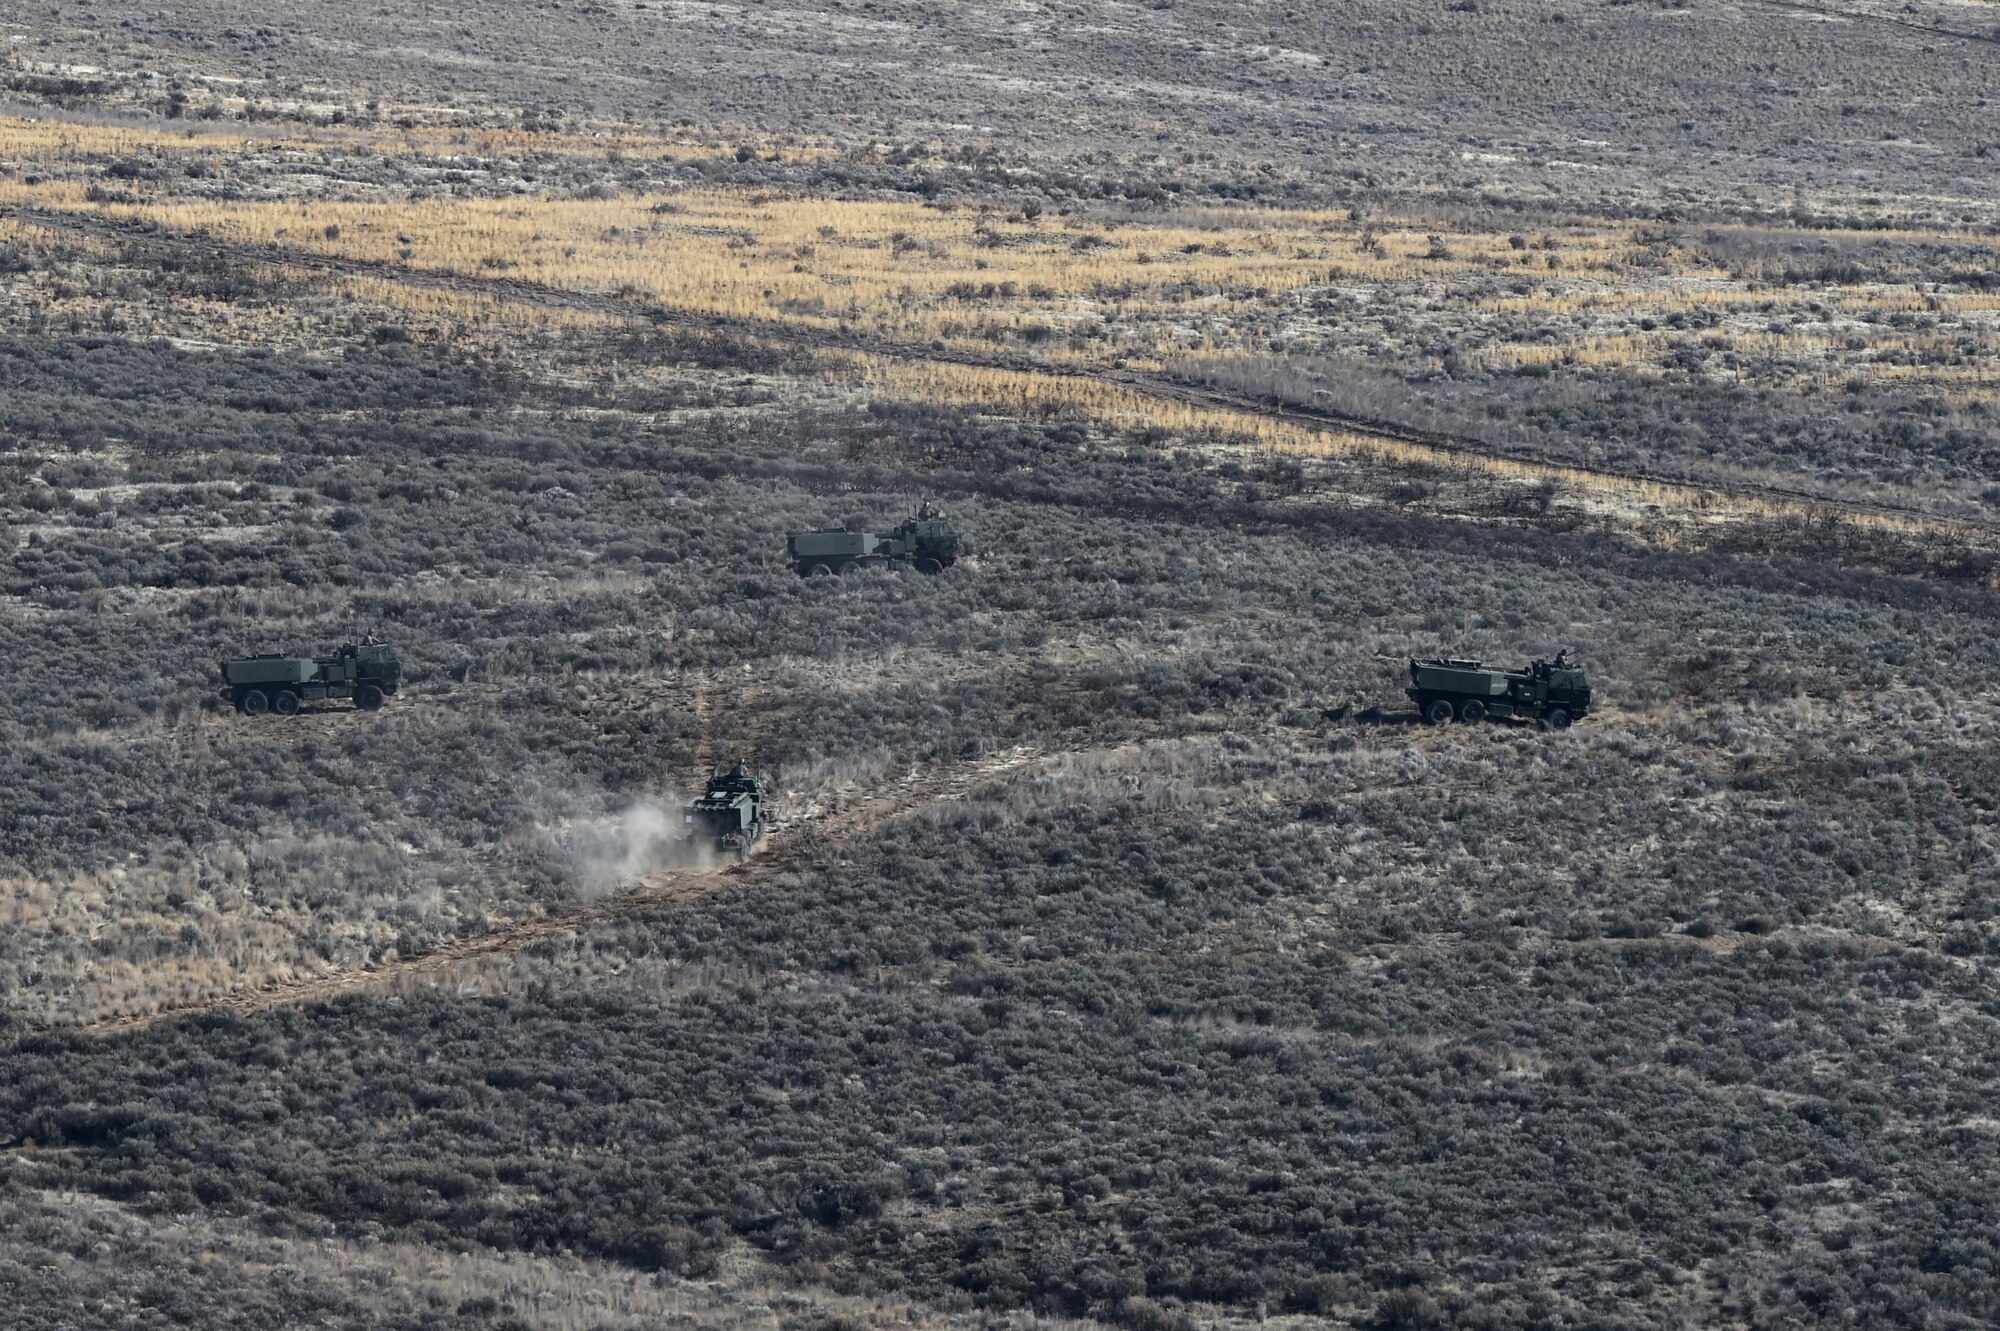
<point x="730" y="814"/>
<point x="1552" y="692"/>
<point x="366" y="672"/>
<point x="926" y="541"/>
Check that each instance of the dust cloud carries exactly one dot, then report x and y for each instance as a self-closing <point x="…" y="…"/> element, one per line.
<point x="645" y="837"/>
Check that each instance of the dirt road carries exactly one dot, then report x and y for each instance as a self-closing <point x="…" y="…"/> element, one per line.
<point x="1156" y="385"/>
<point x="792" y="842"/>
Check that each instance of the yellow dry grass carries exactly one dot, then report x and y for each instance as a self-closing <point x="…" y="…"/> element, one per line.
<point x="901" y="268"/>
<point x="736" y="254"/>
<point x="1137" y="288"/>
<point x="54" y="142"/>
<point x="467" y="314"/>
<point x="315" y="313"/>
<point x="74" y="925"/>
<point x="1134" y="289"/>
<point x="1029" y="394"/>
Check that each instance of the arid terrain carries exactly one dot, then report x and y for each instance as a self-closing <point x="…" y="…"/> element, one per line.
<point x="1125" y="953"/>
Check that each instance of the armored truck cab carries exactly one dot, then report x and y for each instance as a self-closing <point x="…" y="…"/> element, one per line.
<point x="1552" y="692"/>
<point x="926" y="542"/>
<point x="730" y="814"/>
<point x="367" y="672"/>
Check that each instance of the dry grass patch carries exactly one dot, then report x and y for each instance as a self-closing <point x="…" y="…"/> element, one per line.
<point x="1672" y="515"/>
<point x="1111" y="286"/>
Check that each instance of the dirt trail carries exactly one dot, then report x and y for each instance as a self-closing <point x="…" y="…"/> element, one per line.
<point x="823" y="823"/>
<point x="1159" y="386"/>
<point x="734" y="714"/>
<point x="1890" y="20"/>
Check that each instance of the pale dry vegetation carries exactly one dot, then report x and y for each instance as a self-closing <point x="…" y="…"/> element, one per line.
<point x="1125" y="955"/>
<point x="1132" y="288"/>
<point x="72" y="1256"/>
<point x="218" y="489"/>
<point x="1693" y="350"/>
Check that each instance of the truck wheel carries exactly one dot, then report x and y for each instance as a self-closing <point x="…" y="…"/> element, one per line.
<point x="368" y="698"/>
<point x="1557" y="718"/>
<point x="818" y="571"/>
<point x="255" y="703"/>
<point x="286" y="703"/>
<point x="1438" y="711"/>
<point x="929" y="567"/>
<point x="1472" y="711"/>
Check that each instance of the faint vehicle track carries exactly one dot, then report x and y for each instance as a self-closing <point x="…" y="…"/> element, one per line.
<point x="733" y="718"/>
<point x="1159" y="386"/>
<point x="831" y="822"/>
<point x="1866" y="16"/>
<point x="844" y="813"/>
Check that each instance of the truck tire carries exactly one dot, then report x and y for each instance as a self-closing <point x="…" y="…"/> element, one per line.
<point x="1438" y="711"/>
<point x="368" y="698"/>
<point x="1472" y="711"/>
<point x="817" y="571"/>
<point x="1557" y="718"/>
<point x="286" y="703"/>
<point x="929" y="567"/>
<point x="255" y="703"/>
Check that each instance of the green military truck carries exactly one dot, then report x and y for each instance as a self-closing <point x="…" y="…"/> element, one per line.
<point x="730" y="815"/>
<point x="1554" y="693"/>
<point x="367" y="672"/>
<point x="925" y="542"/>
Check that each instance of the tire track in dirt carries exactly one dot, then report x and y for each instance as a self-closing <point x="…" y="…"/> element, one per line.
<point x="1159" y="386"/>
<point x="1890" y="20"/>
<point x="823" y="824"/>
